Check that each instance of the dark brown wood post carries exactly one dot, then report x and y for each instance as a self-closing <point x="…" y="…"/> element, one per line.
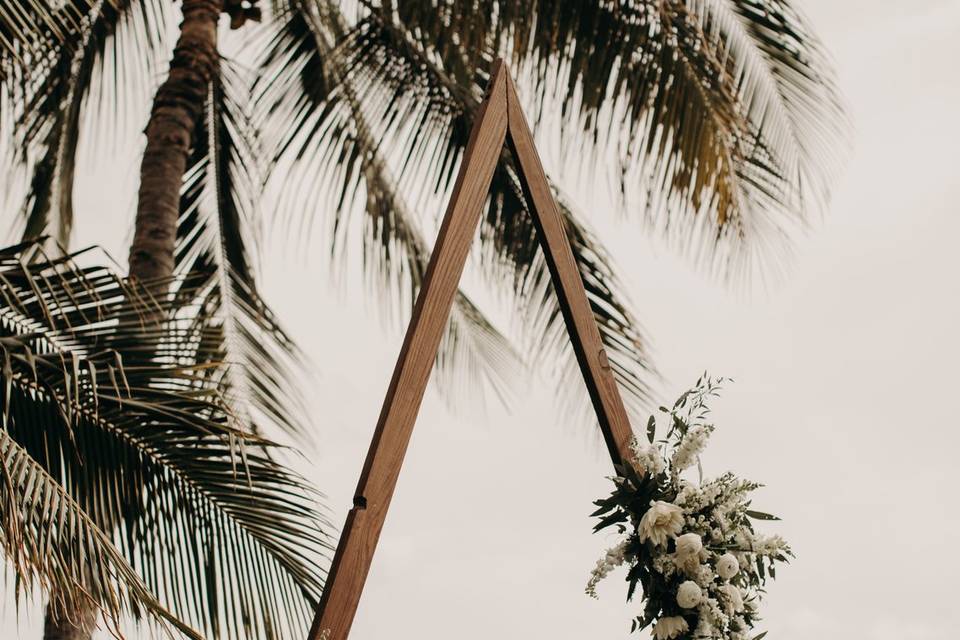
<point x="577" y="315"/>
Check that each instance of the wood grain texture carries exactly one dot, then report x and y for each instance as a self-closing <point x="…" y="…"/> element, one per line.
<point x="577" y="314"/>
<point x="361" y="531"/>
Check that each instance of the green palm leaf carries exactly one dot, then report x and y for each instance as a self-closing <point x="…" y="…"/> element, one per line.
<point x="71" y="72"/>
<point x="723" y="115"/>
<point x="308" y="104"/>
<point x="425" y="117"/>
<point x="49" y="539"/>
<point x="218" y="235"/>
<point x="225" y="537"/>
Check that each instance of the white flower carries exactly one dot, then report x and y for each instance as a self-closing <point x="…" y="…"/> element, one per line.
<point x="670" y="627"/>
<point x="693" y="443"/>
<point x="701" y="574"/>
<point x="664" y="564"/>
<point x="732" y="597"/>
<point x="704" y="627"/>
<point x="614" y="558"/>
<point x="688" y="545"/>
<point x="646" y="458"/>
<point x="769" y="545"/>
<point x="661" y="522"/>
<point x="688" y="497"/>
<point x="710" y="611"/>
<point x="689" y="595"/>
<point x="727" y="566"/>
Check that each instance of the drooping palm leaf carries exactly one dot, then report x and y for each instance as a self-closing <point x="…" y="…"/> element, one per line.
<point x="315" y="115"/>
<point x="217" y="233"/>
<point x="77" y="81"/>
<point x="722" y="114"/>
<point x="30" y="29"/>
<point x="152" y="457"/>
<point x="426" y="125"/>
<point x="49" y="539"/>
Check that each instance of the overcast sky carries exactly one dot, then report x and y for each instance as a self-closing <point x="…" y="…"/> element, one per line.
<point x="845" y="376"/>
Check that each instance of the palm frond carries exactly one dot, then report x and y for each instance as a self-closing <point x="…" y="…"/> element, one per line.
<point x="722" y="116"/>
<point x="50" y="540"/>
<point x="512" y="246"/>
<point x="794" y="84"/>
<point x="425" y="116"/>
<point x="29" y="29"/>
<point x="317" y="117"/>
<point x="50" y="120"/>
<point x="226" y="538"/>
<point x="75" y="82"/>
<point x="218" y="236"/>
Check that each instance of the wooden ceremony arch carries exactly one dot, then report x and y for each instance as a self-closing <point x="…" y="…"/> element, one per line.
<point x="500" y="120"/>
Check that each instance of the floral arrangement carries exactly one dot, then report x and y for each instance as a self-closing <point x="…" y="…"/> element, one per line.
<point x="690" y="546"/>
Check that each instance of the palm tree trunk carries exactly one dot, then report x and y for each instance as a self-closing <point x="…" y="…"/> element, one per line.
<point x="177" y="106"/>
<point x="81" y="627"/>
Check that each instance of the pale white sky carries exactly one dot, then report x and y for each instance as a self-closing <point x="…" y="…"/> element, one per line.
<point x="845" y="373"/>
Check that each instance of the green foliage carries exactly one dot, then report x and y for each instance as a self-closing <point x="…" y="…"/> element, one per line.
<point x="719" y="117"/>
<point x="714" y="513"/>
<point x="132" y="485"/>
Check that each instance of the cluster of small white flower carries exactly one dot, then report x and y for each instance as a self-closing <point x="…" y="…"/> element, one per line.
<point x="709" y="586"/>
<point x="767" y="545"/>
<point x="692" y="444"/>
<point x="646" y="458"/>
<point x="719" y="614"/>
<point x="707" y="589"/>
<point x="613" y="559"/>
<point x="702" y="557"/>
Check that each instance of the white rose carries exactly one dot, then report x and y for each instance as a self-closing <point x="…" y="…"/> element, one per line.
<point x="727" y="566"/>
<point x="733" y="598"/>
<point x="689" y="595"/>
<point x="688" y="545"/>
<point x="661" y="522"/>
<point x="670" y="627"/>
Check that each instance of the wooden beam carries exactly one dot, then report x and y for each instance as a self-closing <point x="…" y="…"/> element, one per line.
<point x="361" y="531"/>
<point x="577" y="314"/>
<point x="500" y="120"/>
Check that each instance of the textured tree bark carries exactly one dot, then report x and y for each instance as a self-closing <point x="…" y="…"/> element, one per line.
<point x="177" y="106"/>
<point x="80" y="628"/>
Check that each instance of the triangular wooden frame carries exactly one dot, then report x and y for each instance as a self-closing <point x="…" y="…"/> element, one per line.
<point x="500" y="121"/>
